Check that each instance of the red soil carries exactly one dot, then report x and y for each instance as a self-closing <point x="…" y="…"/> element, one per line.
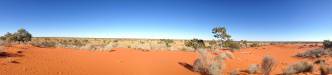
<point x="60" y="61"/>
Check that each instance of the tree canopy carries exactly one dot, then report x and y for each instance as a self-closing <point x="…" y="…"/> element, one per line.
<point x="21" y="35"/>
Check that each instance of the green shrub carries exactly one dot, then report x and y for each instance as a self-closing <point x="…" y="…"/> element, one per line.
<point x="23" y="35"/>
<point x="327" y="44"/>
<point x="221" y="33"/>
<point x="195" y="43"/>
<point x="9" y="37"/>
<point x="20" y="36"/>
<point x="254" y="45"/>
<point x="232" y="45"/>
<point x="167" y="42"/>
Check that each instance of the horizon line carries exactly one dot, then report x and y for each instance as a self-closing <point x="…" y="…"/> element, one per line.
<point x="178" y="39"/>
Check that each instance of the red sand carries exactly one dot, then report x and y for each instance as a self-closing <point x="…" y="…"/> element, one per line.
<point x="60" y="61"/>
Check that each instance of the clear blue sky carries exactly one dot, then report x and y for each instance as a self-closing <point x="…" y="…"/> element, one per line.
<point x="274" y="20"/>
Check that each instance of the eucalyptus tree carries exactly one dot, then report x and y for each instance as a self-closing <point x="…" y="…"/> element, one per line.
<point x="221" y="34"/>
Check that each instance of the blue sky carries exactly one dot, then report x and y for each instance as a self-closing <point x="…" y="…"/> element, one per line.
<point x="262" y="20"/>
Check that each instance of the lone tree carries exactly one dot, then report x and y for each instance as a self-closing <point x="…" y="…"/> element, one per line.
<point x="221" y="34"/>
<point x="195" y="43"/>
<point x="23" y="35"/>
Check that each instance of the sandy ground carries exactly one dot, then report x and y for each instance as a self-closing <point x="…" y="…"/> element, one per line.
<point x="121" y="61"/>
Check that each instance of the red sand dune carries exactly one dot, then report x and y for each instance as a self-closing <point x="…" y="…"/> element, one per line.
<point x="60" y="61"/>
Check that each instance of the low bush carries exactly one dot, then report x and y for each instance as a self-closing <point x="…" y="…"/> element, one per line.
<point x="225" y="55"/>
<point x="327" y="44"/>
<point x="299" y="67"/>
<point x="253" y="69"/>
<point x="232" y="45"/>
<point x="213" y="45"/>
<point x="143" y="47"/>
<point x="203" y="56"/>
<point x="195" y="43"/>
<point x="167" y="42"/>
<point x="314" y="53"/>
<point x="235" y="72"/>
<point x="43" y="44"/>
<point x="267" y="65"/>
<point x="188" y="49"/>
<point x="208" y="63"/>
<point x="254" y="45"/>
<point x="215" y="68"/>
<point x="325" y="69"/>
<point x="319" y="61"/>
<point x="88" y="47"/>
<point x="109" y="47"/>
<point x="198" y="66"/>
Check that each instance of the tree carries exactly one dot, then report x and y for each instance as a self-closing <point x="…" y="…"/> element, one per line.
<point x="23" y="35"/>
<point x="195" y="43"/>
<point x="221" y="34"/>
<point x="245" y="43"/>
<point x="327" y="44"/>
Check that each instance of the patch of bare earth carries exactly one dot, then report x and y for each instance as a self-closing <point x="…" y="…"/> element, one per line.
<point x="121" y="61"/>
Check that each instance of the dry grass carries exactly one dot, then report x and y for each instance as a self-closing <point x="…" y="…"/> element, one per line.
<point x="209" y="64"/>
<point x="253" y="69"/>
<point x="325" y="69"/>
<point x="146" y="44"/>
<point x="267" y="65"/>
<point x="299" y="67"/>
<point x="315" y="53"/>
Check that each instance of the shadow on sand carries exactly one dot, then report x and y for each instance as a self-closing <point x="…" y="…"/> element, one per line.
<point x="191" y="68"/>
<point x="186" y="65"/>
